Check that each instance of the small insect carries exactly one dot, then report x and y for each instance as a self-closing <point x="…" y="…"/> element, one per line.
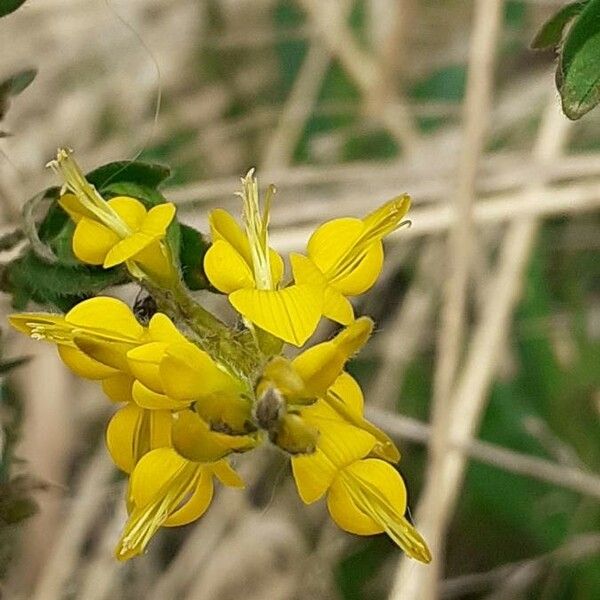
<point x="144" y="307"/>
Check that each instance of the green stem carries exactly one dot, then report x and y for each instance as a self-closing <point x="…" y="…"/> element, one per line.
<point x="235" y="351"/>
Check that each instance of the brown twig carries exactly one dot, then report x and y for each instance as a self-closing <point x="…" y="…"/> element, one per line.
<point x="569" y="477"/>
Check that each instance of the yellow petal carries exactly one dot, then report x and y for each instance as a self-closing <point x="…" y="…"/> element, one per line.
<point x="339" y="444"/>
<point x="305" y="271"/>
<point x="280" y="373"/>
<point x="320" y="365"/>
<point x="193" y="439"/>
<point x="346" y="389"/>
<point x="162" y="329"/>
<point x="105" y="329"/>
<point x="147" y="398"/>
<point x="144" y="364"/>
<point x="158" y="219"/>
<point x="331" y="241"/>
<point x="349" y="251"/>
<point x="146" y="231"/>
<point x="131" y="211"/>
<point x="107" y="352"/>
<point x="336" y="307"/>
<point x="108" y="315"/>
<point x="127" y="249"/>
<point x="291" y="314"/>
<point x="92" y="241"/>
<point x="156" y="262"/>
<point x="196" y="505"/>
<point x="376" y="489"/>
<point x="225" y="473"/>
<point x="226" y="411"/>
<point x="277" y="267"/>
<point x="118" y="387"/>
<point x="346" y="399"/>
<point x="384" y="448"/>
<point x="73" y="207"/>
<point x="153" y="475"/>
<point x="189" y="373"/>
<point x="363" y="274"/>
<point x="226" y="269"/>
<point x="346" y="514"/>
<point x="82" y="365"/>
<point x="357" y="267"/>
<point x="358" y="486"/>
<point x="224" y="227"/>
<point x="132" y="432"/>
<point x="313" y="474"/>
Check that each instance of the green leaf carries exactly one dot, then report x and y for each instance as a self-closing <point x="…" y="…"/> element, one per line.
<point x="146" y="194"/>
<point x="8" y="6"/>
<point x="55" y="218"/>
<point x="551" y="32"/>
<point x="191" y="255"/>
<point x="150" y="175"/>
<point x="578" y="72"/>
<point x="56" y="284"/>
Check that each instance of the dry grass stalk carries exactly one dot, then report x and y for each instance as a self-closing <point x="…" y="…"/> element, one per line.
<point x="469" y="396"/>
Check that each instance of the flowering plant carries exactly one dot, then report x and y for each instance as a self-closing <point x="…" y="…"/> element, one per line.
<point x="191" y="391"/>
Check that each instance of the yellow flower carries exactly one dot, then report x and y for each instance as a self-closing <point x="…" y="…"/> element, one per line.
<point x="93" y="338"/>
<point x="309" y="375"/>
<point x="242" y="265"/>
<point x="116" y="231"/>
<point x="316" y="375"/>
<point x="174" y="373"/>
<point x="345" y="256"/>
<point x="174" y="486"/>
<point x="369" y="497"/>
<point x="365" y="495"/>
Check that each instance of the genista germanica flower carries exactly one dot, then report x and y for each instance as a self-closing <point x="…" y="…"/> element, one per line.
<point x="116" y="231"/>
<point x="194" y="392"/>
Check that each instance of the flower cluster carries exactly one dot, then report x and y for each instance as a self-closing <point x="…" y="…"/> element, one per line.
<point x="192" y="392"/>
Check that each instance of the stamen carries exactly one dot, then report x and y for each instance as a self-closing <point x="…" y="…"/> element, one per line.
<point x="75" y="182"/>
<point x="257" y="230"/>
<point x="50" y="332"/>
